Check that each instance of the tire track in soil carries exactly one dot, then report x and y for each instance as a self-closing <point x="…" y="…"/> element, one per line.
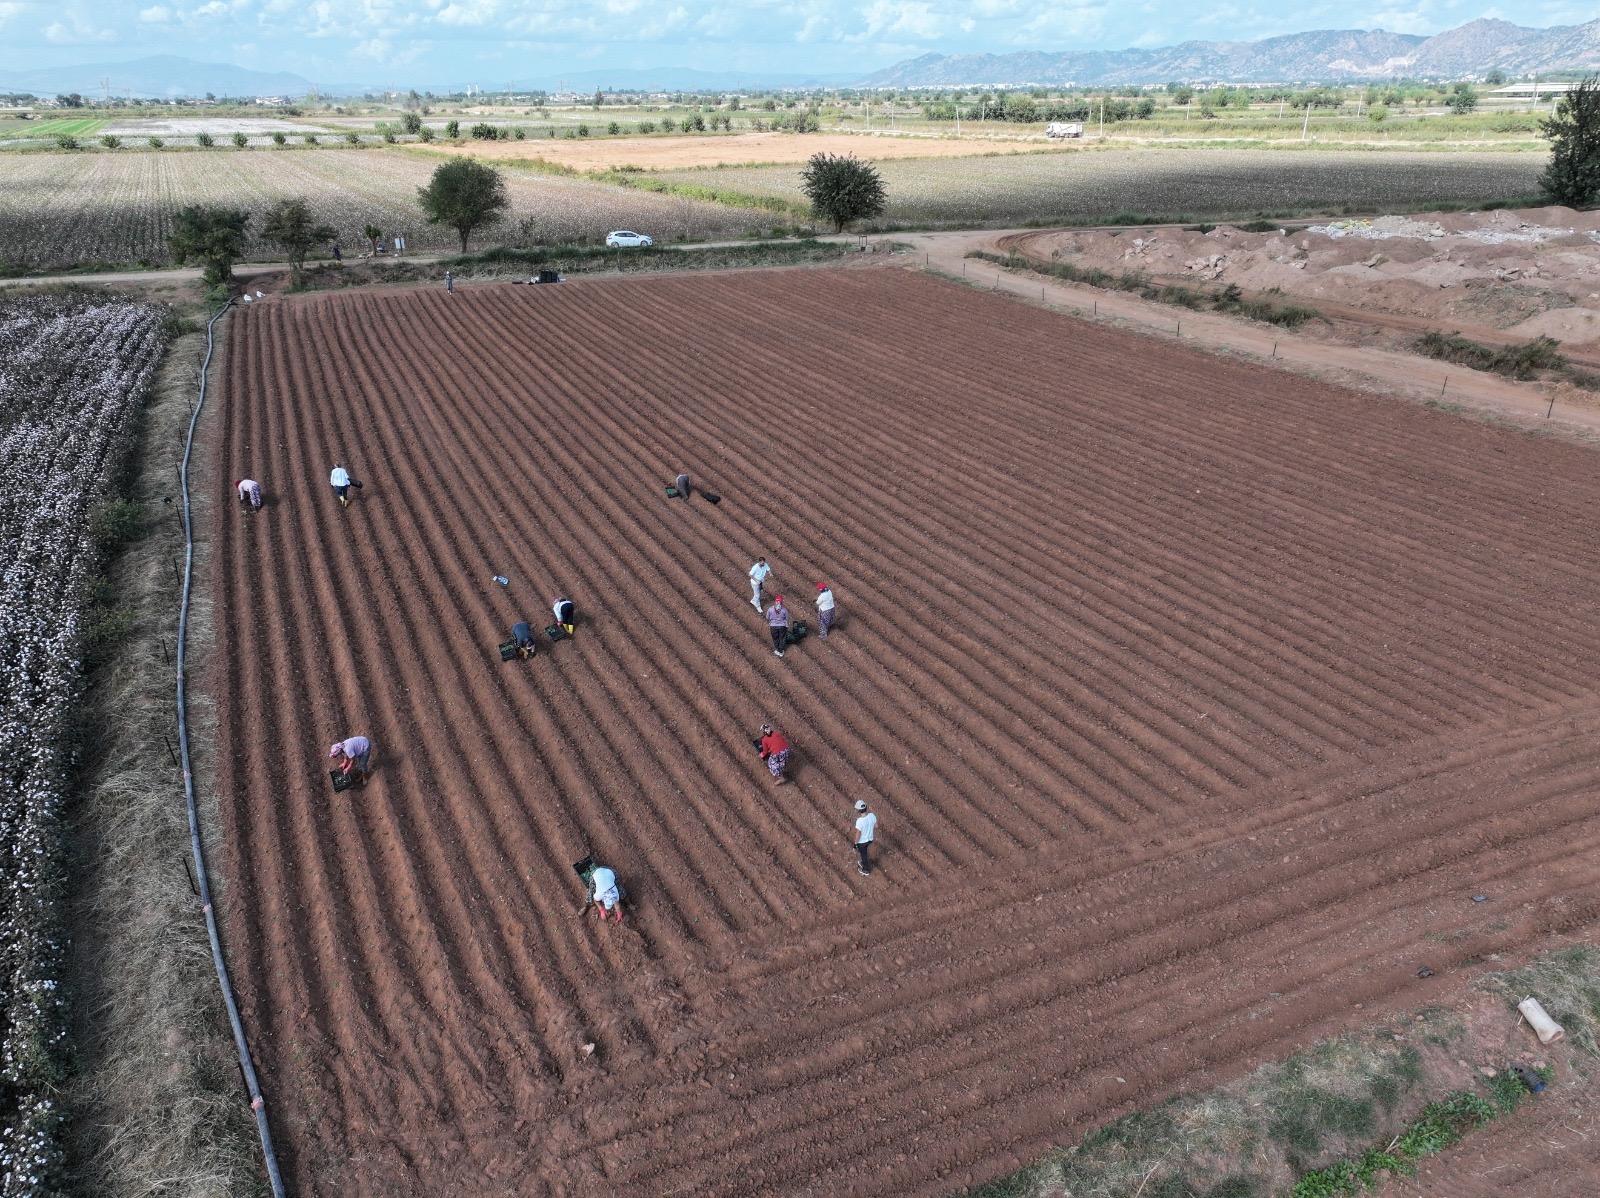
<point x="1176" y="784"/>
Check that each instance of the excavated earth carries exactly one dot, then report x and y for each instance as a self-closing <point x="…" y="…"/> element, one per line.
<point x="1196" y="701"/>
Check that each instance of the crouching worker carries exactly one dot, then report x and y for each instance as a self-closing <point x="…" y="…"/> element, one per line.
<point x="357" y="754"/>
<point x="605" y="893"/>
<point x="522" y="635"/>
<point x="249" y="492"/>
<point x="775" y="752"/>
<point x="566" y="614"/>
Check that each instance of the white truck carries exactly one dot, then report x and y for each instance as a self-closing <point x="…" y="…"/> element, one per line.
<point x="1059" y="129"/>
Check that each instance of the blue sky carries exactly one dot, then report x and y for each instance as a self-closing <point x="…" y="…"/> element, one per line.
<point x="431" y="42"/>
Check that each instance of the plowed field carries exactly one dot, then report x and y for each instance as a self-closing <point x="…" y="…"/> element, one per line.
<point x="1195" y="699"/>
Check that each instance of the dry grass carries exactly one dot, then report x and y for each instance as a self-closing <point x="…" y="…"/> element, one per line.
<point x="156" y="1105"/>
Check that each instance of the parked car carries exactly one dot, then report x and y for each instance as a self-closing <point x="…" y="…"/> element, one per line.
<point x="622" y="239"/>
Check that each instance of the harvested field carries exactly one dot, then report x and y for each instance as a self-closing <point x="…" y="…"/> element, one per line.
<point x="1196" y="701"/>
<point x="1082" y="185"/>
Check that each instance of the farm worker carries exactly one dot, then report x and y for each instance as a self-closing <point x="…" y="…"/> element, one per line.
<point x="778" y="625"/>
<point x="866" y="829"/>
<point x="523" y="636"/>
<point x="337" y="255"/>
<point x="758" y="578"/>
<point x="340" y="478"/>
<point x="449" y="283"/>
<point x="682" y="483"/>
<point x="565" y="613"/>
<point x="249" y="492"/>
<point x="775" y="752"/>
<point x="604" y="893"/>
<point x="824" y="609"/>
<point x="357" y="754"/>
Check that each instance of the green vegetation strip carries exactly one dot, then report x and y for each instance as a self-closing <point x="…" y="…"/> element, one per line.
<point x="1229" y="299"/>
<point x="1335" y="1119"/>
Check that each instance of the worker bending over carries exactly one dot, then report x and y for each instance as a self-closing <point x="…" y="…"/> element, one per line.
<point x="249" y="492"/>
<point x="605" y="893"/>
<point x="566" y="614"/>
<point x="357" y="754"/>
<point x="775" y="752"/>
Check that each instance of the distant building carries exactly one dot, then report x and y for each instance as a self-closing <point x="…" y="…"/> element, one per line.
<point x="1518" y="90"/>
<point x="273" y="101"/>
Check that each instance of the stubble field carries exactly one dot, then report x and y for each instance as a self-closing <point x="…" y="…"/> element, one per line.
<point x="1196" y="700"/>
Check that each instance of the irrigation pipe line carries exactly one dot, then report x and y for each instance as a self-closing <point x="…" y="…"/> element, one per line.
<point x="258" y="1104"/>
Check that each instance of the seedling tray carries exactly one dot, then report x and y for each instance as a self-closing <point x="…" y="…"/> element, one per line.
<point x="341" y="781"/>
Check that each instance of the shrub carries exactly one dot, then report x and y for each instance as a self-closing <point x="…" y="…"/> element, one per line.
<point x="583" y="130"/>
<point x="65" y="141"/>
<point x="485" y="132"/>
<point x="353" y="138"/>
<point x="452" y="130"/>
<point x="388" y="136"/>
<point x="204" y="139"/>
<point x="155" y="142"/>
<point x="279" y="139"/>
<point x="310" y="139"/>
<point x="668" y="125"/>
<point x="647" y="126"/>
<point x="111" y="141"/>
<point x="521" y="133"/>
<point x="1515" y="361"/>
<point x="613" y="128"/>
<point x="411" y="123"/>
<point x="424" y="134"/>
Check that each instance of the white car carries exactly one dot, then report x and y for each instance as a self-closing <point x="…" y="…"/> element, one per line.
<point x="622" y="239"/>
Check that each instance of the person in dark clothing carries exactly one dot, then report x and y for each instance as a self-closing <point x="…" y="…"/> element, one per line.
<point x="523" y="636"/>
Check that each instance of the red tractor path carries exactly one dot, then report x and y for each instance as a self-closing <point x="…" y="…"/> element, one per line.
<point x="1196" y="701"/>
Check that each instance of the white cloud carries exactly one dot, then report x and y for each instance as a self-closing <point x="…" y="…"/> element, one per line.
<point x="157" y="14"/>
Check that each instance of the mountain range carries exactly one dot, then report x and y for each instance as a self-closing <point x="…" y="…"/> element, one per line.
<point x="159" y="76"/>
<point x="1320" y="55"/>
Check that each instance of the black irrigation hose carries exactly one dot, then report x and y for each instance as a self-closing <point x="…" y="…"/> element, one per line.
<point x="257" y="1103"/>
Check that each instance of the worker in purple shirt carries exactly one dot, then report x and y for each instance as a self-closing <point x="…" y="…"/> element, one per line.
<point x="778" y="625"/>
<point x="357" y="754"/>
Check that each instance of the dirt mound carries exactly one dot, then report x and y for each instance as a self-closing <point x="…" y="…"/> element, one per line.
<point x="1196" y="701"/>
<point x="1529" y="272"/>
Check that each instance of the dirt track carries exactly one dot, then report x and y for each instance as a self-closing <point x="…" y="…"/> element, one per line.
<point x="1195" y="699"/>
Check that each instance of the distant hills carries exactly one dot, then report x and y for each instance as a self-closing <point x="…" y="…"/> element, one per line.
<point x="156" y="77"/>
<point x="1321" y="55"/>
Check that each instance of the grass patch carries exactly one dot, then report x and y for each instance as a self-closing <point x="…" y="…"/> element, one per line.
<point x="1229" y="299"/>
<point x="1524" y="361"/>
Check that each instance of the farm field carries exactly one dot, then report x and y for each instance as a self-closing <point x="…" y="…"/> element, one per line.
<point x="1196" y="700"/>
<point x="61" y="210"/>
<point x="1088" y="185"/>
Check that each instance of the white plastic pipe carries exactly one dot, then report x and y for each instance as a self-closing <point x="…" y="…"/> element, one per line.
<point x="1539" y="1019"/>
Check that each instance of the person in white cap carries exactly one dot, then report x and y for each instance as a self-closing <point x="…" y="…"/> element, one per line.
<point x="866" y="829"/>
<point x="605" y="895"/>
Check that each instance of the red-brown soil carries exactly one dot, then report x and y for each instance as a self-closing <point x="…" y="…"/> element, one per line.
<point x="1196" y="701"/>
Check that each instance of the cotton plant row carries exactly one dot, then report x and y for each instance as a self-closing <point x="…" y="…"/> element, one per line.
<point x="60" y="210"/>
<point x="72" y="371"/>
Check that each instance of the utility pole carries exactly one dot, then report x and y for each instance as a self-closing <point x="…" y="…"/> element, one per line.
<point x="1307" y="125"/>
<point x="1102" y="116"/>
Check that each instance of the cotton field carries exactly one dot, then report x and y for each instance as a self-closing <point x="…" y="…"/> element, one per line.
<point x="72" y="369"/>
<point x="62" y="210"/>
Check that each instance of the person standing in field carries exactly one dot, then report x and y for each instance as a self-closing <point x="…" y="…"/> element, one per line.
<point x="357" y="754"/>
<point x="449" y="283"/>
<point x="778" y="625"/>
<point x="775" y="752"/>
<point x="340" y="478"/>
<point x="866" y="831"/>
<point x="825" y="609"/>
<point x="566" y="613"/>
<point x="758" y="578"/>
<point x="338" y="255"/>
<point x="249" y="492"/>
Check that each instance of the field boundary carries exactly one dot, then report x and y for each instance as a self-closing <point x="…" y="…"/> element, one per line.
<point x="258" y="1103"/>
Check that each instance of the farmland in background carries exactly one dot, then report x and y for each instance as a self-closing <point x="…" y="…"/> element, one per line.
<point x="1042" y="188"/>
<point x="63" y="210"/>
<point x="44" y="130"/>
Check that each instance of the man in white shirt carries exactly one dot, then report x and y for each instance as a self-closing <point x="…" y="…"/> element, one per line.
<point x="866" y="829"/>
<point x="824" y="609"/>
<point x="758" y="577"/>
<point x="340" y="478"/>
<point x="604" y="893"/>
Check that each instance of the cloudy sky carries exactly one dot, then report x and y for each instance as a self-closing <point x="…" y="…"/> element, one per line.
<point x="431" y="42"/>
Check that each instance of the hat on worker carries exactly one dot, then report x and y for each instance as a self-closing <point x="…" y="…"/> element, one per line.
<point x="822" y="586"/>
<point x="861" y="804"/>
<point x="335" y="750"/>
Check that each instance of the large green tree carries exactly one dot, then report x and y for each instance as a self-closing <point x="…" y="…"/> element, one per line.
<point x="1572" y="176"/>
<point x="291" y="225"/>
<point x="842" y="189"/>
<point x="212" y="236"/>
<point x="463" y="194"/>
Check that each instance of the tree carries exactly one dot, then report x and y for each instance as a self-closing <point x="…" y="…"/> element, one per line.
<point x="1463" y="99"/>
<point x="463" y="194"/>
<point x="215" y="236"/>
<point x="373" y="234"/>
<point x="842" y="188"/>
<point x="1572" y="176"/>
<point x="412" y="122"/>
<point x="291" y="225"/>
<point x="1495" y="78"/>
